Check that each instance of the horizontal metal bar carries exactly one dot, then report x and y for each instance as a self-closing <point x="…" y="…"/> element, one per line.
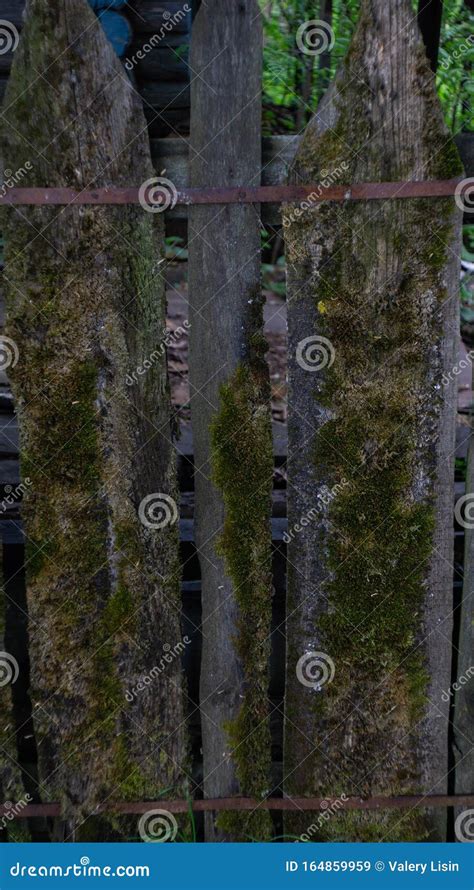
<point x="265" y="194"/>
<point x="235" y="804"/>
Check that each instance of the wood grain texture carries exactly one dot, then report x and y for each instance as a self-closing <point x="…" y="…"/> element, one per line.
<point x="12" y="631"/>
<point x="86" y="306"/>
<point x="463" y="693"/>
<point x="225" y="315"/>
<point x="149" y="16"/>
<point x="370" y="582"/>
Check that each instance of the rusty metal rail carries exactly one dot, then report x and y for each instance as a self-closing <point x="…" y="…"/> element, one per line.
<point x="265" y="194"/>
<point x="238" y="804"/>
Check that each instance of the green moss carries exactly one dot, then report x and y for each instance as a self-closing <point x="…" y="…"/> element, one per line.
<point x="243" y="470"/>
<point x="84" y="312"/>
<point x="117" y="611"/>
<point x="381" y="282"/>
<point x="378" y="553"/>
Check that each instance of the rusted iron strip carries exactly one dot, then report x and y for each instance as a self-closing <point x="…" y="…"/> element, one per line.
<point x="248" y="803"/>
<point x="265" y="194"/>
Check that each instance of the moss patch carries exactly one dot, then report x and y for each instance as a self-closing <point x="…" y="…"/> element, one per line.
<point x="379" y="272"/>
<point x="243" y="471"/>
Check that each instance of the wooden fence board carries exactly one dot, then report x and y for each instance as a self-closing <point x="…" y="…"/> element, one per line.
<point x="463" y="693"/>
<point x="93" y="447"/>
<point x="230" y="392"/>
<point x="373" y="297"/>
<point x="160" y="64"/>
<point x="12" y="786"/>
<point x="148" y="16"/>
<point x="164" y="95"/>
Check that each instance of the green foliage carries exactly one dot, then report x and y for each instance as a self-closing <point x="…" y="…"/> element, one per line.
<point x="456" y="63"/>
<point x="468" y="244"/>
<point x="175" y="249"/>
<point x="294" y="83"/>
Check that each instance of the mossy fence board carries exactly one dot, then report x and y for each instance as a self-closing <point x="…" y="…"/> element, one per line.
<point x="375" y="414"/>
<point x="103" y="591"/>
<point x="373" y="328"/>
<point x="461" y="694"/>
<point x="231" y="417"/>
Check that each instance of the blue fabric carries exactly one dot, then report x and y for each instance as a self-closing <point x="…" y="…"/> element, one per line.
<point x="116" y="26"/>
<point x="106" y="4"/>
<point x="117" y="29"/>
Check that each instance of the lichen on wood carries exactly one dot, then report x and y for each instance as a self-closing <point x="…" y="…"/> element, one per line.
<point x="86" y="305"/>
<point x="370" y="584"/>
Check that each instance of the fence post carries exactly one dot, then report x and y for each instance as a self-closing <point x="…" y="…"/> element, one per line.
<point x="373" y="332"/>
<point x="463" y="722"/>
<point x="11" y="779"/>
<point x="86" y="312"/>
<point x="230" y="412"/>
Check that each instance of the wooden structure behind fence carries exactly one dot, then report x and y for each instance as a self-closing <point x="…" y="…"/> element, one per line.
<point x="158" y="68"/>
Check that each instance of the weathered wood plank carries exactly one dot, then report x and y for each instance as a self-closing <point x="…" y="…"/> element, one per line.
<point x="160" y="64"/>
<point x="278" y="154"/>
<point x="170" y="95"/>
<point x="103" y="586"/>
<point x="230" y="414"/>
<point x="156" y="16"/>
<point x="185" y="446"/>
<point x="11" y="778"/>
<point x="162" y="122"/>
<point x="463" y="692"/>
<point x="373" y="327"/>
<point x="3" y="86"/>
<point x="12" y="11"/>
